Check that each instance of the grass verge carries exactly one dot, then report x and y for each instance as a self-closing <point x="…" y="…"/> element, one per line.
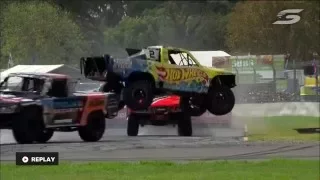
<point x="223" y="170"/>
<point x="281" y="128"/>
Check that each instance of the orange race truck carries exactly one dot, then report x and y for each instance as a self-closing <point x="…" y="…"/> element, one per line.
<point x="34" y="105"/>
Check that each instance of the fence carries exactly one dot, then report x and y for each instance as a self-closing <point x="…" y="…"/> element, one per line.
<point x="268" y="78"/>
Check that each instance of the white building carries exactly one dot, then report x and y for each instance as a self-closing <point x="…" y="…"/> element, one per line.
<point x="206" y="58"/>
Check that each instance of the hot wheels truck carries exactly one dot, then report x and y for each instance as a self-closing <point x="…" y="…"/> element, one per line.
<point x="159" y="70"/>
<point x="34" y="105"/>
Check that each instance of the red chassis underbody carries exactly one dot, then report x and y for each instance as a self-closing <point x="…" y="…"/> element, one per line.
<point x="166" y="110"/>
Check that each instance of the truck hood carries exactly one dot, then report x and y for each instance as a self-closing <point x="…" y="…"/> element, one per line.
<point x="218" y="71"/>
<point x="9" y="98"/>
<point x="166" y="101"/>
<point x="10" y="103"/>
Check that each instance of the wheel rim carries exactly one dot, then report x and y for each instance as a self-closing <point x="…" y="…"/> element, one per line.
<point x="97" y="128"/>
<point x="193" y="102"/>
<point x="139" y="95"/>
<point x="221" y="100"/>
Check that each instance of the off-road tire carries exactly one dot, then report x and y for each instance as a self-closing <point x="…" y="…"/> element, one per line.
<point x="131" y="101"/>
<point x="44" y="135"/>
<point x="186" y="106"/>
<point x="132" y="125"/>
<point x="218" y="107"/>
<point x="184" y="125"/>
<point x="95" y="128"/>
<point x="24" y="125"/>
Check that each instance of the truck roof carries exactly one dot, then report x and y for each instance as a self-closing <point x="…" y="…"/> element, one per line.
<point x="40" y="75"/>
<point x="165" y="47"/>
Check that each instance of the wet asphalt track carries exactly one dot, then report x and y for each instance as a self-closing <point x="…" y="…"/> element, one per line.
<point x="160" y="143"/>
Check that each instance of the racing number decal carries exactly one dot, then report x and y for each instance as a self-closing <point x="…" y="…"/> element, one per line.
<point x="154" y="54"/>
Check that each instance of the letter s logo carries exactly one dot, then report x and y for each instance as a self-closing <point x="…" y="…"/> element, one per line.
<point x="289" y="19"/>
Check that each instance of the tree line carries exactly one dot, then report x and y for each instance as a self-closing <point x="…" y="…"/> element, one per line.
<point x="58" y="31"/>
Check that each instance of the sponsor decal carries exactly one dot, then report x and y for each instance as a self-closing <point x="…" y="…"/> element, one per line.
<point x="66" y="104"/>
<point x="71" y="110"/>
<point x="123" y="64"/>
<point x="265" y="59"/>
<point x="221" y="62"/>
<point x="183" y="74"/>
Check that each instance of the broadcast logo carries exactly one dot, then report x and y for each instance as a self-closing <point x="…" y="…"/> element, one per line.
<point x="288" y="16"/>
<point x="37" y="158"/>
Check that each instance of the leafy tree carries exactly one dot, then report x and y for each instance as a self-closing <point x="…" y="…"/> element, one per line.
<point x="39" y="32"/>
<point x="137" y="8"/>
<point x="211" y="33"/>
<point x="93" y="17"/>
<point x="178" y="23"/>
<point x="187" y="24"/>
<point x="134" y="32"/>
<point x="250" y="29"/>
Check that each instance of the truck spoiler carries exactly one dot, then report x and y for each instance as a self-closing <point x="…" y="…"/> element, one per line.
<point x="132" y="51"/>
<point x="95" y="67"/>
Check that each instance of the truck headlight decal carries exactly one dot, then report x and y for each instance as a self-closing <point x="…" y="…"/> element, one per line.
<point x="8" y="109"/>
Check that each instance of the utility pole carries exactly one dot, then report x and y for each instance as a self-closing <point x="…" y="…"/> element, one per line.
<point x="294" y="78"/>
<point x="316" y="73"/>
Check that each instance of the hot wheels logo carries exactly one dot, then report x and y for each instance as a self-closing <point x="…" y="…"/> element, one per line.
<point x="183" y="74"/>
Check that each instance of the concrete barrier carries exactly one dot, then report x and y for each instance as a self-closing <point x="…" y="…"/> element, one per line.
<point x="274" y="109"/>
<point x="278" y="109"/>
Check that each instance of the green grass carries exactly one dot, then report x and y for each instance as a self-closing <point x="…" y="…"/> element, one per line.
<point x="221" y="170"/>
<point x="282" y="128"/>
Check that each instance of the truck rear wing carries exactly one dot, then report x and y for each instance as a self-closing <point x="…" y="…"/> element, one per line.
<point x="95" y="67"/>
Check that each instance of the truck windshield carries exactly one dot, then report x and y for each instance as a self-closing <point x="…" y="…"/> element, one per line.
<point x="12" y="83"/>
<point x="22" y="84"/>
<point x="183" y="59"/>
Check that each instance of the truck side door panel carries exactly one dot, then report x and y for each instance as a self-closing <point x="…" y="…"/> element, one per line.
<point x="62" y="110"/>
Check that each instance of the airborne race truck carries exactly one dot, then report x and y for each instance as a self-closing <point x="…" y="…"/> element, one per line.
<point x="158" y="70"/>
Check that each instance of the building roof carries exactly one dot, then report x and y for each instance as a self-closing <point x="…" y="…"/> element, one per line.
<point x="36" y="74"/>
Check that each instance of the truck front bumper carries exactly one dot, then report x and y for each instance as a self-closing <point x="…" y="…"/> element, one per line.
<point x="6" y="121"/>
